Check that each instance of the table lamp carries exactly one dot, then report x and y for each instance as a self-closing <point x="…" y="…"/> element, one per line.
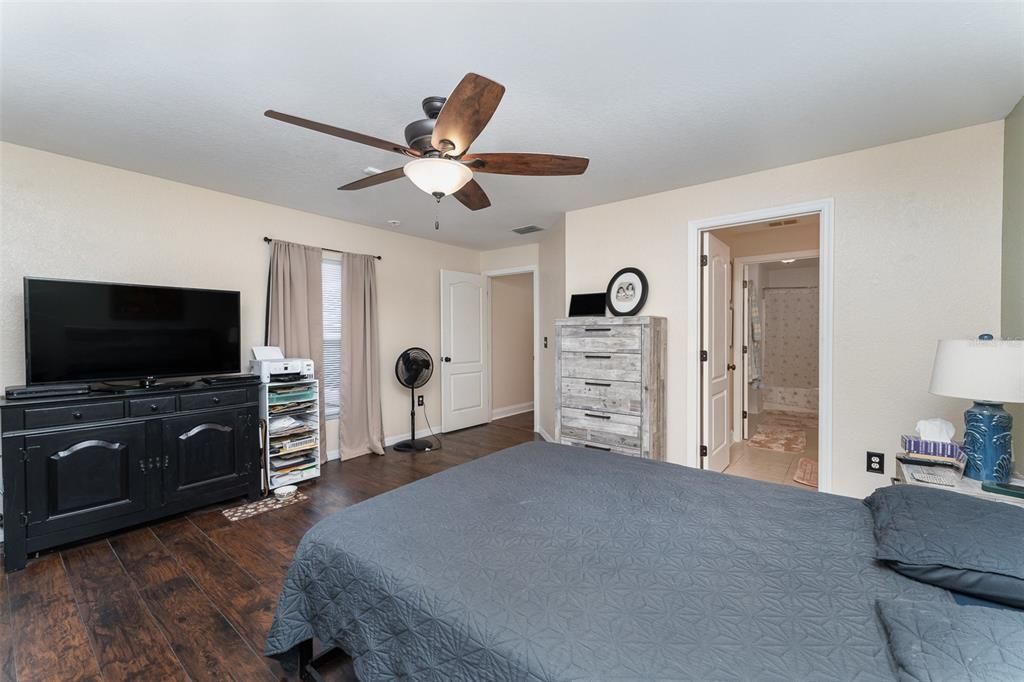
<point x="990" y="372"/>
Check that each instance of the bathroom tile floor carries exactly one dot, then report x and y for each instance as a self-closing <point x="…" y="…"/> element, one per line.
<point x="769" y="465"/>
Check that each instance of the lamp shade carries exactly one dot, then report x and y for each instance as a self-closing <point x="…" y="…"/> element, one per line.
<point x="438" y="176"/>
<point x="980" y="370"/>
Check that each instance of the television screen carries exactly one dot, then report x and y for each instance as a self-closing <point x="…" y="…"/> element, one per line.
<point x="94" y="331"/>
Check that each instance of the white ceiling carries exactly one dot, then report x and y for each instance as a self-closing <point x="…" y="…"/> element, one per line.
<point x="658" y="96"/>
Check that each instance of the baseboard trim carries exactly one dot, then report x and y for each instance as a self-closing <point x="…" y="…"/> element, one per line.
<point x="545" y="435"/>
<point x="511" y="410"/>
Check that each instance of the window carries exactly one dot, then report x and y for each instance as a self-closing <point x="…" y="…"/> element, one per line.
<point x="331" y="280"/>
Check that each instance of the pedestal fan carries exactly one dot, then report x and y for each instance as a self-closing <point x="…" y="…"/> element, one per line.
<point x="414" y="368"/>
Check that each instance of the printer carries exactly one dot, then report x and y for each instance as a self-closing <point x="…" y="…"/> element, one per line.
<point x="270" y="365"/>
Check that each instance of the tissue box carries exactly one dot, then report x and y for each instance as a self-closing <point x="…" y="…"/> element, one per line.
<point x="931" y="447"/>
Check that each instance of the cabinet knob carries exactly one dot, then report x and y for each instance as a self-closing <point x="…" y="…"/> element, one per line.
<point x="216" y="400"/>
<point x="154" y="407"/>
<point x="76" y="415"/>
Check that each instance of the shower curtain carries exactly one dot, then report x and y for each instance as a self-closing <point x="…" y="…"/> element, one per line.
<point x="790" y="348"/>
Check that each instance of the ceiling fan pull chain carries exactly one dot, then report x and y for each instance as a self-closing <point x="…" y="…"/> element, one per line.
<point x="437" y="212"/>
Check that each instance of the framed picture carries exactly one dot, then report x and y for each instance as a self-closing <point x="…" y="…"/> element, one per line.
<point x="627" y="292"/>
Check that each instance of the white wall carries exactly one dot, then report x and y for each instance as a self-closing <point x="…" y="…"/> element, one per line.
<point x="66" y="218"/>
<point x="917" y="251"/>
<point x="552" y="307"/>
<point x="1013" y="249"/>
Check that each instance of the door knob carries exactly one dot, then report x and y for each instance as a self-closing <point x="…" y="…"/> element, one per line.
<point x="446" y="359"/>
<point x="731" y="367"/>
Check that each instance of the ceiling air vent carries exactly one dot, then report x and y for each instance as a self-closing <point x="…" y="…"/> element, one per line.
<point x="527" y="229"/>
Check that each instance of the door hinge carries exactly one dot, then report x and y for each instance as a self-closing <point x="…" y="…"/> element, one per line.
<point x="24" y="451"/>
<point x="744" y="414"/>
<point x="703" y="450"/>
<point x="703" y="260"/>
<point x="703" y="356"/>
<point x="744" y="349"/>
<point x="744" y="284"/>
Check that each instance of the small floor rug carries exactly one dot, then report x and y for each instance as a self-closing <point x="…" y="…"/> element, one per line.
<point x="778" y="438"/>
<point x="807" y="472"/>
<point x="250" y="509"/>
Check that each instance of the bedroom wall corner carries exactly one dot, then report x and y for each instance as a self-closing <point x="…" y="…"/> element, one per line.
<point x="552" y="307"/>
<point x="1013" y="246"/>
<point x="903" y="261"/>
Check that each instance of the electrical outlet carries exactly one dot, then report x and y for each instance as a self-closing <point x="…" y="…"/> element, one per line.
<point x="876" y="462"/>
<point x="419" y="401"/>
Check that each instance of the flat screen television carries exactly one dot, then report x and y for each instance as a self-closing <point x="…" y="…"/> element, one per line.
<point x="96" y="331"/>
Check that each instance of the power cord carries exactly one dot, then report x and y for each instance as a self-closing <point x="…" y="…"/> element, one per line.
<point x="433" y="435"/>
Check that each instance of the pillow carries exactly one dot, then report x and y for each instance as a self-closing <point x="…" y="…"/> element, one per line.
<point x="940" y="642"/>
<point x="952" y="540"/>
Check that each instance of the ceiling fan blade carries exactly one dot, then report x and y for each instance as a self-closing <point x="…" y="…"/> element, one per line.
<point x="526" y="164"/>
<point x="465" y="113"/>
<point x="472" y="196"/>
<point x="342" y="133"/>
<point x="378" y="179"/>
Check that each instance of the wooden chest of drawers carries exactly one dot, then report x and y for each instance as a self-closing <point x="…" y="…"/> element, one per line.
<point x="610" y="384"/>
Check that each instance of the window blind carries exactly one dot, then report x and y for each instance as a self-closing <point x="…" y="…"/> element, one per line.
<point x="331" y="371"/>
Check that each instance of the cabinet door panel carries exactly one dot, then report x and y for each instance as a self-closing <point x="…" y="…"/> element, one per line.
<point x="85" y="475"/>
<point x="202" y="452"/>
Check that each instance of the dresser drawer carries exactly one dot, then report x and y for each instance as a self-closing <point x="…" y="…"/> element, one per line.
<point x="632" y="452"/>
<point x="140" y="407"/>
<point x="601" y="428"/>
<point x="624" y="397"/>
<point x="199" y="401"/>
<point x="87" y="412"/>
<point x="616" y="338"/>
<point x="607" y="366"/>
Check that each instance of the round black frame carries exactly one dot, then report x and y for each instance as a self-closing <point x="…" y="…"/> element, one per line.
<point x="643" y="293"/>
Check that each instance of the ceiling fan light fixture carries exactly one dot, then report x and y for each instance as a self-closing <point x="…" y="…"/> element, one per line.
<point x="438" y="176"/>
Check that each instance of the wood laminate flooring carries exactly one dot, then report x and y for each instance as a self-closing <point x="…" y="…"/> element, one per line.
<point x="192" y="597"/>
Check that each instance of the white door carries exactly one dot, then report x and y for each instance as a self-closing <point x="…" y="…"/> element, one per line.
<point x="715" y="362"/>
<point x="465" y="351"/>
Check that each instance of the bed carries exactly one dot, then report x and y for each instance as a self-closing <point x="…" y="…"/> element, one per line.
<point x="547" y="562"/>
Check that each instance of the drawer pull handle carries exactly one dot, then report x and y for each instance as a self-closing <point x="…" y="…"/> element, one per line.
<point x="597" y="329"/>
<point x="597" y="383"/>
<point x="598" y="357"/>
<point x="76" y="415"/>
<point x="87" y="444"/>
<point x="154" y="407"/>
<point x="597" y="416"/>
<point x="596" y="447"/>
<point x="216" y="400"/>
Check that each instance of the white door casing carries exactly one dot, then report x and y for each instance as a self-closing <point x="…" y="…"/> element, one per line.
<point x="715" y="326"/>
<point x="743" y="385"/>
<point x="465" y="351"/>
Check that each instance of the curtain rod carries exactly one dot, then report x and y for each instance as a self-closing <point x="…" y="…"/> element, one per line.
<point x="269" y="241"/>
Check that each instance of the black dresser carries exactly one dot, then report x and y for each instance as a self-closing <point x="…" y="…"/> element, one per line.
<point x="80" y="466"/>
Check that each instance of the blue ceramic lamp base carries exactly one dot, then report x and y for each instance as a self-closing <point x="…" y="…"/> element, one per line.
<point x="987" y="442"/>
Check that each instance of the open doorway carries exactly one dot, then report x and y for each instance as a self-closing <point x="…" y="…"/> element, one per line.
<point x="764" y="329"/>
<point x="512" y="346"/>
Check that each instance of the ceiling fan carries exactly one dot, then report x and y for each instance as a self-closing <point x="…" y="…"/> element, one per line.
<point x="438" y="146"/>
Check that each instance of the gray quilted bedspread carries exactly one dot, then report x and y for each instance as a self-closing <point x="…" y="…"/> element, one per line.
<point x="545" y="562"/>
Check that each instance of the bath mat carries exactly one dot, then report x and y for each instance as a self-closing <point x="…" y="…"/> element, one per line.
<point x="778" y="438"/>
<point x="250" y="509"/>
<point x="795" y="420"/>
<point x="807" y="472"/>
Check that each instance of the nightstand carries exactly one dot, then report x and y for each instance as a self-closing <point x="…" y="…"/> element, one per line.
<point x="967" y="486"/>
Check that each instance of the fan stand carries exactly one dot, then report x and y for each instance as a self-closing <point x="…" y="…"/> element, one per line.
<point x="413" y="444"/>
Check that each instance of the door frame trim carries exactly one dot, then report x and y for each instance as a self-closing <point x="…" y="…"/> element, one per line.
<point x="737" y="349"/>
<point x="534" y="270"/>
<point x="825" y="208"/>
